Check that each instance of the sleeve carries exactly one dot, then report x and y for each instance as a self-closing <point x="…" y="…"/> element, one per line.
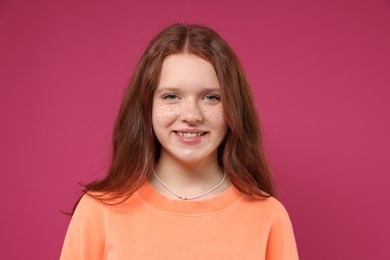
<point x="86" y="232"/>
<point x="281" y="241"/>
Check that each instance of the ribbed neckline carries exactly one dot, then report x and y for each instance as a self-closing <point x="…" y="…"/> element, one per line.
<point x="197" y="207"/>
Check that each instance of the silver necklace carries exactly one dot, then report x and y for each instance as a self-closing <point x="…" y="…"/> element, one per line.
<point x="189" y="198"/>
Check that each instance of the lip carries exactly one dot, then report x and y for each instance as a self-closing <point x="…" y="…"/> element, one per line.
<point x="190" y="140"/>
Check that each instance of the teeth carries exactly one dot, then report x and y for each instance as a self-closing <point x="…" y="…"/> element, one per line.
<point x="189" y="135"/>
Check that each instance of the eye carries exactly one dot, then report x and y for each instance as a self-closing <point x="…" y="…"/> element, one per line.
<point x="170" y="96"/>
<point x="212" y="97"/>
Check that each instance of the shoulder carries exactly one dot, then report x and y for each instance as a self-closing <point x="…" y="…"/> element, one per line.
<point x="281" y="242"/>
<point x="85" y="235"/>
<point x="89" y="205"/>
<point x="275" y="205"/>
<point x="100" y="203"/>
<point x="278" y="210"/>
<point x="269" y="206"/>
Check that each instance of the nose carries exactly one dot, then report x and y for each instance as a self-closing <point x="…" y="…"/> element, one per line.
<point x="191" y="113"/>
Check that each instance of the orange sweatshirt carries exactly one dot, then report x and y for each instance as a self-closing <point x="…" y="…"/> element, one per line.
<point x="150" y="226"/>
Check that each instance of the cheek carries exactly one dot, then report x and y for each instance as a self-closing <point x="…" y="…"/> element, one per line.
<point x="216" y="116"/>
<point x="163" y="114"/>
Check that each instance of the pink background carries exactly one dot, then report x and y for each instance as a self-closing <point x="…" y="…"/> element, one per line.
<point x="320" y="72"/>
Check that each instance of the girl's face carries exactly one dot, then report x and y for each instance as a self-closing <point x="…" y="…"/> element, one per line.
<point x="187" y="117"/>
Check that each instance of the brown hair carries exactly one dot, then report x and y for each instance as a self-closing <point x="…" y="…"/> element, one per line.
<point x="135" y="147"/>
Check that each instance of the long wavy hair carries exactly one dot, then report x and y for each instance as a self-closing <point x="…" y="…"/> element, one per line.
<point x="135" y="146"/>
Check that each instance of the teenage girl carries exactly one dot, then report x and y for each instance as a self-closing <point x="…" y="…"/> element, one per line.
<point x="188" y="176"/>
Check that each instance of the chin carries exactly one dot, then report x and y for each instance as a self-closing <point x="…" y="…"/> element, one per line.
<point x="193" y="157"/>
<point x="189" y="158"/>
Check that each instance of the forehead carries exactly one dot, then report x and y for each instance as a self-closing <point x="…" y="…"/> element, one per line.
<point x="187" y="70"/>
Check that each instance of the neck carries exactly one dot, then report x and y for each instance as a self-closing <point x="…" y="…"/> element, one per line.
<point x="170" y="168"/>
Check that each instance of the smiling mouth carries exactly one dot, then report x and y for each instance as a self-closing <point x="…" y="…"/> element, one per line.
<point x="190" y="135"/>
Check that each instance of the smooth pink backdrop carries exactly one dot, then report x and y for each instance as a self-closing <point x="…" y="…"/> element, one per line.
<point x="320" y="71"/>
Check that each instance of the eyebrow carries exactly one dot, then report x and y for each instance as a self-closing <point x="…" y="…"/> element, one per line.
<point x="172" y="89"/>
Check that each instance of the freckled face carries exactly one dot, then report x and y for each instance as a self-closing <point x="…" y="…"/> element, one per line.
<point x="187" y="114"/>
